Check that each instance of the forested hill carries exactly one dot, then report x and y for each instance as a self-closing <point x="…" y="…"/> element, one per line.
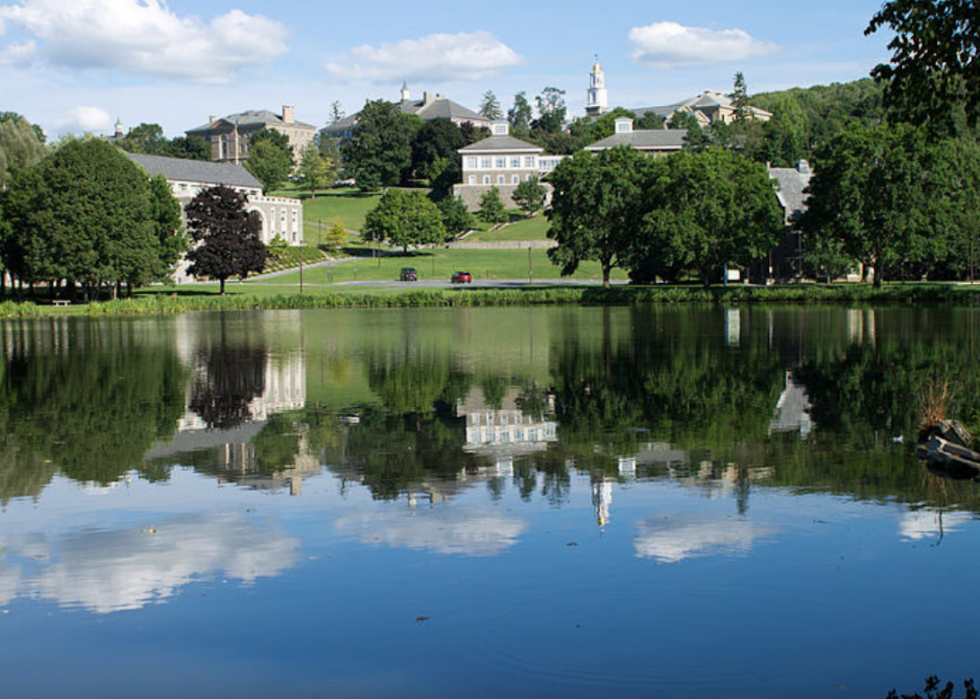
<point x="804" y="118"/>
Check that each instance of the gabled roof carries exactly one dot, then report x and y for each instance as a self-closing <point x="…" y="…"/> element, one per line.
<point x="792" y="182"/>
<point x="202" y="171"/>
<point x="653" y="139"/>
<point x="252" y="117"/>
<point x="442" y="109"/>
<point x="706" y="100"/>
<point x="500" y="143"/>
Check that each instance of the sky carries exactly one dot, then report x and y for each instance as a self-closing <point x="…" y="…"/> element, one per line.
<point x="77" y="66"/>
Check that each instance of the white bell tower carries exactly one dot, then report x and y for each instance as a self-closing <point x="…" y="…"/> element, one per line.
<point x="597" y="100"/>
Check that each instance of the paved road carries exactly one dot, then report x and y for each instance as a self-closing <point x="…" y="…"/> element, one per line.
<point x="440" y="284"/>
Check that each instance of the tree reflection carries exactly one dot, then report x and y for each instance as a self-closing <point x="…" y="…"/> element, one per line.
<point x="227" y="378"/>
<point x="89" y="402"/>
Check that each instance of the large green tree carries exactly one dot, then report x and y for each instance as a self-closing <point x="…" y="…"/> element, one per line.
<point x="596" y="208"/>
<point x="490" y="107"/>
<point x="520" y="116"/>
<point x="935" y="60"/>
<point x="455" y="216"/>
<point x="530" y="196"/>
<point x="874" y="193"/>
<point x="226" y="236"/>
<point x="379" y="152"/>
<point x="165" y="213"/>
<point x="315" y="170"/>
<point x="405" y="218"/>
<point x="83" y="214"/>
<point x="270" y="158"/>
<point x="710" y="209"/>
<point x="437" y="140"/>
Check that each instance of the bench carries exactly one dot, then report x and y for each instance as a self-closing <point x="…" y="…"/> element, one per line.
<point x="61" y="302"/>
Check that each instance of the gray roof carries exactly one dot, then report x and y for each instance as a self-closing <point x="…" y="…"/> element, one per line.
<point x="792" y="182"/>
<point x="203" y="171"/>
<point x="500" y="143"/>
<point x="656" y="139"/>
<point x="442" y="109"/>
<point x="252" y="117"/>
<point x="705" y="100"/>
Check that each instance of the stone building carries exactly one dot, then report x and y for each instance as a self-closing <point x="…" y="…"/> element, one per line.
<point x="500" y="161"/>
<point x="280" y="216"/>
<point x="653" y="141"/>
<point x="229" y="136"/>
<point x="708" y="108"/>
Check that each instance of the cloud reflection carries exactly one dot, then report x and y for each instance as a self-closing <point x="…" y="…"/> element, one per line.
<point x="439" y="530"/>
<point x="928" y="523"/>
<point x="108" y="571"/>
<point x="673" y="538"/>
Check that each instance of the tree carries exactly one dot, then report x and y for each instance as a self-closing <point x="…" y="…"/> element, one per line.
<point x="492" y="207"/>
<point x="520" y="116"/>
<point x="456" y="218"/>
<point x="145" y="138"/>
<point x="708" y="210"/>
<point x="436" y="139"/>
<point x="189" y="148"/>
<point x="405" y="218"/>
<point x="379" y="151"/>
<point x="696" y="138"/>
<point x="19" y="146"/>
<point x="650" y="121"/>
<point x="336" y="111"/>
<point x="226" y="236"/>
<point x="551" y="111"/>
<point x="596" y="208"/>
<point x="490" y="107"/>
<point x="874" y="193"/>
<point x="935" y="60"/>
<point x="165" y="213"/>
<point x="530" y="196"/>
<point x="740" y="98"/>
<point x="83" y="214"/>
<point x="336" y="235"/>
<point x="270" y="158"/>
<point x="315" y="171"/>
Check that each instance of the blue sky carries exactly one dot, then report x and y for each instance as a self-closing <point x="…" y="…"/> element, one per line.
<point x="75" y="65"/>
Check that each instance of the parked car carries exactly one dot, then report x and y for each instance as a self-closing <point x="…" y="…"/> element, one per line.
<point x="462" y="278"/>
<point x="409" y="274"/>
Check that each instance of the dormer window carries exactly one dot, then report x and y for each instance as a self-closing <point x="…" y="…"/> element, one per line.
<point x="624" y="125"/>
<point x="501" y="128"/>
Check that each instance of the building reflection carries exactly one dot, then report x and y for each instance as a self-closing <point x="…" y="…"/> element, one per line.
<point x="505" y="431"/>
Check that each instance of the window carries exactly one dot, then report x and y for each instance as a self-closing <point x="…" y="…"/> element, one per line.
<point x="486" y="179"/>
<point x="501" y="163"/>
<point x="528" y="161"/>
<point x="515" y="179"/>
<point x="472" y="179"/>
<point x="515" y="163"/>
<point x="471" y="162"/>
<point x="485" y="163"/>
<point x="500" y="179"/>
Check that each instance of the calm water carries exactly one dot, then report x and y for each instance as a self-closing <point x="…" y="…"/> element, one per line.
<point x="551" y="502"/>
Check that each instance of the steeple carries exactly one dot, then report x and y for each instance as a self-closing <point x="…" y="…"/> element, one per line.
<point x="406" y="95"/>
<point x="597" y="98"/>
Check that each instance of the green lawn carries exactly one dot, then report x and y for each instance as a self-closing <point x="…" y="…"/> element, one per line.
<point x="440" y="263"/>
<point x="349" y="205"/>
<point x="521" y="229"/>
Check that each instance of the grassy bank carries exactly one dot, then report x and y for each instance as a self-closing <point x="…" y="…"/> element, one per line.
<point x="204" y="299"/>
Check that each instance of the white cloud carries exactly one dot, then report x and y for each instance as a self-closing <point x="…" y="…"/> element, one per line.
<point x="437" y="530"/>
<point x="143" y="37"/>
<point x="433" y="58"/>
<point x="672" y="45"/>
<point x="674" y="538"/>
<point x="18" y="54"/>
<point x="926" y="523"/>
<point x="115" y="570"/>
<point x="85" y="120"/>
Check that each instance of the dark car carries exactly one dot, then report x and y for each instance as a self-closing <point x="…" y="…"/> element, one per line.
<point x="409" y="274"/>
<point x="461" y="278"/>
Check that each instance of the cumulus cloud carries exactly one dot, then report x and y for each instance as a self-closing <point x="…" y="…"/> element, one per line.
<point x="672" y="45"/>
<point x="85" y="120"/>
<point x="437" y="530"/>
<point x="674" y="538"/>
<point x="435" y="58"/>
<point x="142" y="37"/>
<point x="109" y="571"/>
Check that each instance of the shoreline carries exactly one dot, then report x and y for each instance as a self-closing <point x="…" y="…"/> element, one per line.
<point x="800" y="294"/>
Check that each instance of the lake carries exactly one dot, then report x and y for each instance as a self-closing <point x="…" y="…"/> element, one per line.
<point x="689" y="501"/>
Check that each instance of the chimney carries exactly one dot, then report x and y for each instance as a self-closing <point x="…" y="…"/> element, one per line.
<point x="624" y="125"/>
<point x="803" y="167"/>
<point x="211" y="119"/>
<point x="288" y="115"/>
<point x="426" y="99"/>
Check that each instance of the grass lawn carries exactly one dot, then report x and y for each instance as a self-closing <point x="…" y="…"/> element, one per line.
<point x="349" y="205"/>
<point x="440" y="263"/>
<point x="521" y="229"/>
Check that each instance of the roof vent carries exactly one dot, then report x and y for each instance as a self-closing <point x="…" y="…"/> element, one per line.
<point x="803" y="167"/>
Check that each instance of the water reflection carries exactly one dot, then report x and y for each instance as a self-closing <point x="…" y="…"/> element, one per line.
<point x="676" y="537"/>
<point x="122" y="569"/>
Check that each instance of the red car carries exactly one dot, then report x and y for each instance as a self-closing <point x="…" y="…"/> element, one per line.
<point x="462" y="278"/>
